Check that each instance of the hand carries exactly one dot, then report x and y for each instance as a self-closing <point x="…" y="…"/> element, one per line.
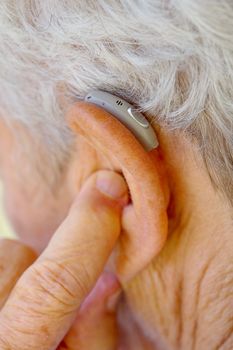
<point x="43" y="305"/>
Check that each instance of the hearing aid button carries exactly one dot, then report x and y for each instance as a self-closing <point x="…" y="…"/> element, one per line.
<point x="138" y="117"/>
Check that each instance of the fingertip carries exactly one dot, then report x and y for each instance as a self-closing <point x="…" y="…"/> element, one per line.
<point x="104" y="187"/>
<point x="111" y="184"/>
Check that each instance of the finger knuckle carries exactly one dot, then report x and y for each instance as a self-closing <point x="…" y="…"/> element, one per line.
<point x="17" y="246"/>
<point x="58" y="283"/>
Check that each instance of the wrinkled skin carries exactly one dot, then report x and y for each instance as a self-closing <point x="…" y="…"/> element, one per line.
<point x="184" y="298"/>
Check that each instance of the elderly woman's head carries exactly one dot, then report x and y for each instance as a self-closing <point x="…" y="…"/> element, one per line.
<point x="173" y="60"/>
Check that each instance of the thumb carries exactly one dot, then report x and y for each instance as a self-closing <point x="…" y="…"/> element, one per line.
<point x="45" y="300"/>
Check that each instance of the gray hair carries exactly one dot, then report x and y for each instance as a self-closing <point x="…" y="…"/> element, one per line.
<point x="173" y="59"/>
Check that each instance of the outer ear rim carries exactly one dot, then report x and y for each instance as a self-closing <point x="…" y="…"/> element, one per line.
<point x="142" y="172"/>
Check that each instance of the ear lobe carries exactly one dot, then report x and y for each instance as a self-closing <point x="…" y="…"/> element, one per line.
<point x="144" y="221"/>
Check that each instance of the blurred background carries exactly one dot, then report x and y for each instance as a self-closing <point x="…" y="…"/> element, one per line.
<point x="5" y="229"/>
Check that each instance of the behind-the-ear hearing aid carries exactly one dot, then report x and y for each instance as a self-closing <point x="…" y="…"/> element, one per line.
<point x="127" y="115"/>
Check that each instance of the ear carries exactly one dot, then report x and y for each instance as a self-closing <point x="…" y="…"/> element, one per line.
<point x="144" y="220"/>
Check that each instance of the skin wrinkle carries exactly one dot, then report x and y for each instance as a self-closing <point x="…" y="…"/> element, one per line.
<point x="15" y="332"/>
<point x="179" y="312"/>
<point x="56" y="280"/>
<point x="224" y="340"/>
<point x="162" y="282"/>
<point x="14" y="343"/>
<point x="52" y="295"/>
<point x="228" y="335"/>
<point x="178" y="236"/>
<point x="40" y="313"/>
<point x="4" y="344"/>
<point x="197" y="299"/>
<point x="62" y="268"/>
<point x="156" y="305"/>
<point x="211" y="300"/>
<point x="162" y="320"/>
<point x="69" y="307"/>
<point x="140" y="293"/>
<point x="223" y="311"/>
<point x="203" y="272"/>
<point x="178" y="220"/>
<point x="35" y="313"/>
<point x="179" y="293"/>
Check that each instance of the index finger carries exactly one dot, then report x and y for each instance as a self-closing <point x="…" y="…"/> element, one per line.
<point x="44" y="302"/>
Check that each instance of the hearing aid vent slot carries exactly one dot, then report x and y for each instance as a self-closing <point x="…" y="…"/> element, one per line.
<point x="119" y="103"/>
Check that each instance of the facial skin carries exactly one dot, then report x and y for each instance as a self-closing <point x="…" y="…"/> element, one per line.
<point x="176" y="289"/>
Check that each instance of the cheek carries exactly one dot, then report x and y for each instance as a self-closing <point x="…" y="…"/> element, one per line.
<point x="34" y="221"/>
<point x="33" y="211"/>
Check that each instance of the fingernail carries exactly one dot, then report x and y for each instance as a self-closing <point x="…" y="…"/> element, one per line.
<point x="111" y="184"/>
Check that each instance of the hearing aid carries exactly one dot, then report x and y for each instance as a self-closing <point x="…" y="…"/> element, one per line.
<point x="127" y="115"/>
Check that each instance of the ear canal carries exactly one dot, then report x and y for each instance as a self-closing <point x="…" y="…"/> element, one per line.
<point x="144" y="220"/>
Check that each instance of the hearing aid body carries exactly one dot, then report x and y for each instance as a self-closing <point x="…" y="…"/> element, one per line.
<point x="127" y="115"/>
